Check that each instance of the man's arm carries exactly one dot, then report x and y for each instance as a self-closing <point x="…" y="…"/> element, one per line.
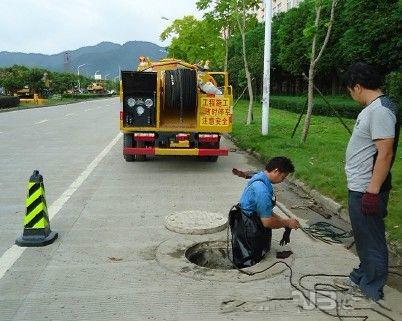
<point x="382" y="164"/>
<point x="275" y="222"/>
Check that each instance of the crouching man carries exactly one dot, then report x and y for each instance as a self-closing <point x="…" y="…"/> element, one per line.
<point x="252" y="220"/>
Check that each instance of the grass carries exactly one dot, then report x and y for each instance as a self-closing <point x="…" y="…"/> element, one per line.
<point x="320" y="161"/>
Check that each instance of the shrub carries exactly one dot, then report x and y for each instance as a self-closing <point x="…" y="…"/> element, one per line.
<point x="393" y="85"/>
<point x="81" y="96"/>
<point x="9" y="101"/>
<point x="345" y="108"/>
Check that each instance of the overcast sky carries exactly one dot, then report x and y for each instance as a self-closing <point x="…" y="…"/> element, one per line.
<point x="53" y="26"/>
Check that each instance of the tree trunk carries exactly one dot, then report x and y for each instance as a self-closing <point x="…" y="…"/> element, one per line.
<point x="242" y="29"/>
<point x="310" y="98"/>
<point x="313" y="63"/>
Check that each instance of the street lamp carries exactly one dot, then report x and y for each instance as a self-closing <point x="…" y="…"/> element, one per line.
<point x="267" y="66"/>
<point x="78" y="73"/>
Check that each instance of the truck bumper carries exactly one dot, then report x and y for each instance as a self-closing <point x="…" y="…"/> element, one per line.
<point x="176" y="151"/>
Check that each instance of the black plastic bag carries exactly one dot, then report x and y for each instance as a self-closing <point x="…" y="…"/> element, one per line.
<point x="250" y="239"/>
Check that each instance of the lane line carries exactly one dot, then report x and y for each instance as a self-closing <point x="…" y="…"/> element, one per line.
<point x="69" y="114"/>
<point x="88" y="109"/>
<point x="42" y="121"/>
<point x="10" y="256"/>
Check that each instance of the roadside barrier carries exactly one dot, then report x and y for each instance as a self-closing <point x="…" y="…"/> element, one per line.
<point x="36" y="222"/>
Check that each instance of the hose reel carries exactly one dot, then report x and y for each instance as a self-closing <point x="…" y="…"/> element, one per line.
<point x="180" y="91"/>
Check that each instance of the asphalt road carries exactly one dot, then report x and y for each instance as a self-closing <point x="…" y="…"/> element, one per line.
<point x="114" y="258"/>
<point x="59" y="141"/>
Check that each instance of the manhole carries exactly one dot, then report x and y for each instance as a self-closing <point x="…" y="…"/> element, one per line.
<point x="204" y="257"/>
<point x="196" y="222"/>
<point x="211" y="255"/>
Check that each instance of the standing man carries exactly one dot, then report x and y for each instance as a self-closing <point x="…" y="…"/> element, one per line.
<point x="369" y="158"/>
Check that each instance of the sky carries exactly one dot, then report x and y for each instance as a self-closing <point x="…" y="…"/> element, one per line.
<point x="54" y="26"/>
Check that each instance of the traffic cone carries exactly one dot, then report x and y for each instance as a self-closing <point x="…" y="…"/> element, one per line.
<point x="36" y="222"/>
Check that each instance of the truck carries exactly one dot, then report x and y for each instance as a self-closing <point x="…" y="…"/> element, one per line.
<point x="96" y="87"/>
<point x="170" y="107"/>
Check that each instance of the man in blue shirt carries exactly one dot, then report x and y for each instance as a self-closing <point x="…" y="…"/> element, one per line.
<point x="258" y="196"/>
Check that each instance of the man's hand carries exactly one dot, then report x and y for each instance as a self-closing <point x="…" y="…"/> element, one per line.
<point x="370" y="203"/>
<point x="293" y="223"/>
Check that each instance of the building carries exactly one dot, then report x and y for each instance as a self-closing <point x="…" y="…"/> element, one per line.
<point x="277" y="7"/>
<point x="283" y="5"/>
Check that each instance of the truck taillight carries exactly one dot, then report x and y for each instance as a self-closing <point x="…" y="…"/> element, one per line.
<point x="121" y="115"/>
<point x="182" y="136"/>
<point x="147" y="137"/>
<point x="208" y="138"/>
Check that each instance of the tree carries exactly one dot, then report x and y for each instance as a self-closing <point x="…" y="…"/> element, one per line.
<point x="13" y="78"/>
<point x="372" y="35"/>
<point x="194" y="40"/>
<point x="223" y="19"/>
<point x="239" y="11"/>
<point x="35" y="80"/>
<point x="315" y="58"/>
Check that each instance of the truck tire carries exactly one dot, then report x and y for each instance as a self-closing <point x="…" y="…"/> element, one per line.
<point x="128" y="142"/>
<point x="212" y="159"/>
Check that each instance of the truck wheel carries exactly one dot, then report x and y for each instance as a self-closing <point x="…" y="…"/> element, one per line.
<point x="140" y="158"/>
<point x="211" y="159"/>
<point x="128" y="142"/>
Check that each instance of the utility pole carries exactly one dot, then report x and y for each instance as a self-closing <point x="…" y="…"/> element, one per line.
<point x="267" y="67"/>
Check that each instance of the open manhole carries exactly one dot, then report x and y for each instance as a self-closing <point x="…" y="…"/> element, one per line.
<point x="204" y="257"/>
<point x="211" y="255"/>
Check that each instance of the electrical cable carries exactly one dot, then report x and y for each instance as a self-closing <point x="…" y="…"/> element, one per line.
<point x="301" y="289"/>
<point x="326" y="232"/>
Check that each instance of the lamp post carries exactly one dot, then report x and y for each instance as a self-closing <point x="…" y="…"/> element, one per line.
<point x="78" y="74"/>
<point x="267" y="67"/>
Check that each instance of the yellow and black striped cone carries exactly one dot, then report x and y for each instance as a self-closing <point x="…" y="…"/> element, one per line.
<point x="36" y="222"/>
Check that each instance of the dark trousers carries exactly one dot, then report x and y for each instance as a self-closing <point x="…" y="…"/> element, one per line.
<point x="371" y="246"/>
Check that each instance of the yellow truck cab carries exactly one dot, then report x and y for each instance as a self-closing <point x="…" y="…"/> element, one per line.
<point x="171" y="107"/>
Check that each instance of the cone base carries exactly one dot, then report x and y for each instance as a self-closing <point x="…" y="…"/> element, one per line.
<point x="36" y="240"/>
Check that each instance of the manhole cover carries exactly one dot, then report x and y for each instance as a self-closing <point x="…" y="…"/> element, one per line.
<point x="196" y="222"/>
<point x="212" y="255"/>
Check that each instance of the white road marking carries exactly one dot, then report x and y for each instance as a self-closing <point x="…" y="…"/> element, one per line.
<point x="70" y="114"/>
<point x="88" y="109"/>
<point x="14" y="252"/>
<point x="42" y="121"/>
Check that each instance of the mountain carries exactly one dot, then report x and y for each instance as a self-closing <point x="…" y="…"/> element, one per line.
<point x="104" y="58"/>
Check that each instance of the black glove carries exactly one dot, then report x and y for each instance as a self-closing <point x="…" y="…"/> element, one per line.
<point x="286" y="236"/>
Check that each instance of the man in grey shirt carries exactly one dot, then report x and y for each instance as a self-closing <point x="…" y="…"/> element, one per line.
<point x="369" y="158"/>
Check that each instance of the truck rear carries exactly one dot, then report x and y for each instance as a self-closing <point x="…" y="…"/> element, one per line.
<point x="174" y="108"/>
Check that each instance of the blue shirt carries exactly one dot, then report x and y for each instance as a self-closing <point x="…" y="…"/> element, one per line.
<point x="257" y="196"/>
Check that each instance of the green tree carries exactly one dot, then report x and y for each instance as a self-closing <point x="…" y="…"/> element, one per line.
<point x="374" y="34"/>
<point x="239" y="11"/>
<point x="13" y="78"/>
<point x="316" y="55"/>
<point x="193" y="40"/>
<point x="62" y="81"/>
